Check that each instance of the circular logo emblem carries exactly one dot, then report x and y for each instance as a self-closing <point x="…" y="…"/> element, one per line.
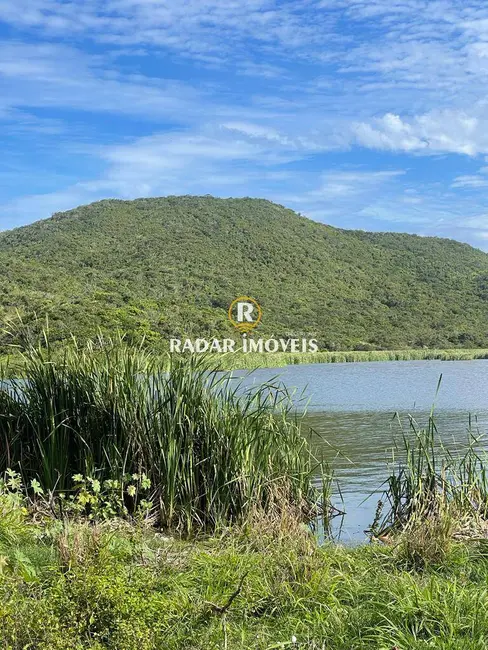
<point x="245" y="313"/>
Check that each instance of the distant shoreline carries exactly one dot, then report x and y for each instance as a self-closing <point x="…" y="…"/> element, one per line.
<point x="255" y="360"/>
<point x="277" y="360"/>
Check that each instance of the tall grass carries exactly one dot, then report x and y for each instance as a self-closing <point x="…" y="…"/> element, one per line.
<point x="214" y="452"/>
<point x="253" y="360"/>
<point x="434" y="486"/>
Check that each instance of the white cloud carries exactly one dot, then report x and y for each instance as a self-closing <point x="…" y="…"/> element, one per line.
<point x="266" y="83"/>
<point x="478" y="222"/>
<point x="470" y="181"/>
<point x="422" y="67"/>
<point x="438" y="131"/>
<point x="265" y="70"/>
<point x="59" y="76"/>
<point x="352" y="183"/>
<point x="258" y="132"/>
<point x="218" y="161"/>
<point x="196" y="28"/>
<point x="33" y="207"/>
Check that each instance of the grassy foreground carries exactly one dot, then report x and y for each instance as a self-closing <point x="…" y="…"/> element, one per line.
<point x="121" y="587"/>
<point x="152" y="508"/>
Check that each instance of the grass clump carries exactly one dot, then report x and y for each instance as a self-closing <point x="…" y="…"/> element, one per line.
<point x="434" y="497"/>
<point x="210" y="453"/>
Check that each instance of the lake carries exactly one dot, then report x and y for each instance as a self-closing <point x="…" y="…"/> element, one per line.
<point x="353" y="406"/>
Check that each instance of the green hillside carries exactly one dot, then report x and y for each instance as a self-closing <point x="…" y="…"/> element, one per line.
<point x="170" y="266"/>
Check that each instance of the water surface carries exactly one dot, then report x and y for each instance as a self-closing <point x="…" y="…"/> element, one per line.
<point x="359" y="409"/>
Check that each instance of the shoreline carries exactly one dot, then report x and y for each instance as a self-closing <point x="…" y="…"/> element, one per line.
<point x="256" y="360"/>
<point x="200" y="523"/>
<point x="252" y="361"/>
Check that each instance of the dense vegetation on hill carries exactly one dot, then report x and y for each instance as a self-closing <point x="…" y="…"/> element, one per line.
<point x="171" y="266"/>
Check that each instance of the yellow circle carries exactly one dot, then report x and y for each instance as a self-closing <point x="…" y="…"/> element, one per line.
<point x="245" y="327"/>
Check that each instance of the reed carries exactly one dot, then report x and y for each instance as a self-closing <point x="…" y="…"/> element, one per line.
<point x="253" y="360"/>
<point x="434" y="486"/>
<point x="213" y="451"/>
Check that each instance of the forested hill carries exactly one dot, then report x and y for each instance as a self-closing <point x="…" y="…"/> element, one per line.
<point x="170" y="266"/>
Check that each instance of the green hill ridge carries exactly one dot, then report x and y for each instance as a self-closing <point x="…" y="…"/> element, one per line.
<point x="164" y="267"/>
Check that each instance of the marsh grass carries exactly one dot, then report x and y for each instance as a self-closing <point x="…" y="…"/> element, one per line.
<point x="254" y="360"/>
<point x="213" y="451"/>
<point x="275" y="360"/>
<point x="434" y="495"/>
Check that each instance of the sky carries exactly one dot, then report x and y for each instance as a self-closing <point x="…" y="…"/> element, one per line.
<point x="361" y="114"/>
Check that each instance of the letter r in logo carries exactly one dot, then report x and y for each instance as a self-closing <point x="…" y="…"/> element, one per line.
<point x="244" y="312"/>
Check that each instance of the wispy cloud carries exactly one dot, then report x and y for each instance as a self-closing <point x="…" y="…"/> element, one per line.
<point x="59" y="76"/>
<point x="472" y="181"/>
<point x="352" y="183"/>
<point x="331" y="106"/>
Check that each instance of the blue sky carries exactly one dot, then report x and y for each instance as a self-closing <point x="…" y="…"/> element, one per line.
<point x="361" y="114"/>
